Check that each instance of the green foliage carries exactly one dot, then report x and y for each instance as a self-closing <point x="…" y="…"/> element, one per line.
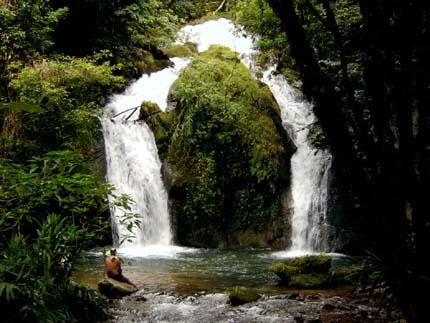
<point x="179" y="50"/>
<point x="21" y="107"/>
<point x="50" y="210"/>
<point x="26" y="28"/>
<point x="59" y="183"/>
<point x="132" y="31"/>
<point x="225" y="151"/>
<point x="259" y="20"/>
<point x="71" y="92"/>
<point x="35" y="283"/>
<point x="241" y="295"/>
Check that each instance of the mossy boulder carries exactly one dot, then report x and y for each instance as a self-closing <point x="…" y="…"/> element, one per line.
<point x="307" y="272"/>
<point x="114" y="289"/>
<point x="241" y="295"/>
<point x="284" y="272"/>
<point x="181" y="50"/>
<point x="148" y="110"/>
<point x="310" y="264"/>
<point x="227" y="150"/>
<point x="310" y="281"/>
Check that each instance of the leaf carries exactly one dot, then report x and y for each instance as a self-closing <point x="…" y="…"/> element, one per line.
<point x="21" y="107"/>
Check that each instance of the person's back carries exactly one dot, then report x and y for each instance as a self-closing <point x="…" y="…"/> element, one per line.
<point x="113" y="268"/>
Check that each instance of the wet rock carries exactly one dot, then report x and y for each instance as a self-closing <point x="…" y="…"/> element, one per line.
<point x="241" y="295"/>
<point x="140" y="299"/>
<point x="294" y="296"/>
<point x="313" y="297"/>
<point x="312" y="320"/>
<point x="328" y="307"/>
<point x="114" y="289"/>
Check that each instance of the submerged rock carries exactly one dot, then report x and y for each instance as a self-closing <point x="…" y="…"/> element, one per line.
<point x="113" y="288"/>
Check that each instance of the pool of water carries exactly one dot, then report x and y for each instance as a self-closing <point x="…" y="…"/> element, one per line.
<point x="190" y="286"/>
<point x="190" y="272"/>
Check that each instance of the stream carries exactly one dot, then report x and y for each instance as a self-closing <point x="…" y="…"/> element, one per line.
<point x="191" y="287"/>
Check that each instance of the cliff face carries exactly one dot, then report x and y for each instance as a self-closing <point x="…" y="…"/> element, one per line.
<point x="227" y="157"/>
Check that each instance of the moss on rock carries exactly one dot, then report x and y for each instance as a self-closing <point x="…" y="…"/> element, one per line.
<point x="311" y="264"/>
<point x="181" y="50"/>
<point x="113" y="288"/>
<point x="241" y="295"/>
<point x="304" y="272"/>
<point x="310" y="281"/>
<point x="227" y="150"/>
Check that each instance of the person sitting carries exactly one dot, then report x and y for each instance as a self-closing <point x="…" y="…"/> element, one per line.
<point x="113" y="268"/>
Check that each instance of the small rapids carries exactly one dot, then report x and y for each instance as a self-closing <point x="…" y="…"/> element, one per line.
<point x="215" y="308"/>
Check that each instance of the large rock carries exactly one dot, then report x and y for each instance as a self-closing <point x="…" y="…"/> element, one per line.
<point x="113" y="288"/>
<point x="228" y="156"/>
<point x="307" y="272"/>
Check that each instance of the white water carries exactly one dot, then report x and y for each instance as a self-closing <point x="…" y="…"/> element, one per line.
<point x="134" y="166"/>
<point x="309" y="167"/>
<point x="309" y="170"/>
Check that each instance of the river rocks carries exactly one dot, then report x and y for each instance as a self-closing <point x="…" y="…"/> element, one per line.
<point x="241" y="295"/>
<point x="309" y="272"/>
<point x="114" y="289"/>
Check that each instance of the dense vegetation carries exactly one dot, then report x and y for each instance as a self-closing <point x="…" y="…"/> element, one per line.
<point x="227" y="151"/>
<point x="58" y="65"/>
<point x="363" y="63"/>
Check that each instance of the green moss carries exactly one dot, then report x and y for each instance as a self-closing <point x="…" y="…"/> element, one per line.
<point x="284" y="272"/>
<point x="179" y="50"/>
<point x="346" y="276"/>
<point x="310" y="281"/>
<point x="304" y="272"/>
<point x="227" y="150"/>
<point x="311" y="264"/>
<point x="241" y="295"/>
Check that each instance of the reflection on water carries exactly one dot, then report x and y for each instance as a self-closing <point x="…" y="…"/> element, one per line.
<point x="188" y="273"/>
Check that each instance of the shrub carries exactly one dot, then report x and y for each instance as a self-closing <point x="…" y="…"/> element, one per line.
<point x="71" y="93"/>
<point x="35" y="283"/>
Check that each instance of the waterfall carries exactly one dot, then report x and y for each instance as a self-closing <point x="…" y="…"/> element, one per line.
<point x="309" y="167"/>
<point x="133" y="165"/>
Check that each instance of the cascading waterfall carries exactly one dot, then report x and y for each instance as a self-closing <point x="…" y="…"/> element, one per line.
<point x="309" y="167"/>
<point x="133" y="166"/>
